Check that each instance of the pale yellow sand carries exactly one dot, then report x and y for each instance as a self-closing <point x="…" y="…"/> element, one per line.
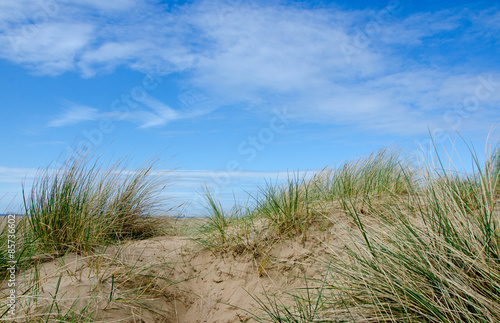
<point x="185" y="284"/>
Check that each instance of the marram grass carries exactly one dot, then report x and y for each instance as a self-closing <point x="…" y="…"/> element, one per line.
<point x="429" y="253"/>
<point x="423" y="244"/>
<point x="83" y="205"/>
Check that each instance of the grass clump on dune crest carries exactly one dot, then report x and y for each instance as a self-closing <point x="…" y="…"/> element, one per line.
<point x="213" y="233"/>
<point x="226" y="231"/>
<point x="82" y="204"/>
<point x="287" y="207"/>
<point x="74" y="213"/>
<point x="294" y="206"/>
<point x="297" y="204"/>
<point x="386" y="171"/>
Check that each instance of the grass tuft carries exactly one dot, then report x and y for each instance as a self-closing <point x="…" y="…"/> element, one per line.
<point x="82" y="205"/>
<point x="286" y="207"/>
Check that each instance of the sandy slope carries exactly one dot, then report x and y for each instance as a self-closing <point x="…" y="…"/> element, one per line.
<point x="221" y="284"/>
<point x="183" y="283"/>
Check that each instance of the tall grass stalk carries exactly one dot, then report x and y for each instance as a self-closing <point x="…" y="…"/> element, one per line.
<point x="375" y="175"/>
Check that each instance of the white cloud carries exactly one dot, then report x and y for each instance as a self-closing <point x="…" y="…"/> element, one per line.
<point x="161" y="114"/>
<point x="276" y="50"/>
<point x="49" y="48"/>
<point x="149" y="112"/>
<point x="113" y="51"/>
<point x="419" y="27"/>
<point x="74" y="114"/>
<point x="263" y="54"/>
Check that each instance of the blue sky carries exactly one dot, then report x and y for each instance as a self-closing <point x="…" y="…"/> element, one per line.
<point x="234" y="92"/>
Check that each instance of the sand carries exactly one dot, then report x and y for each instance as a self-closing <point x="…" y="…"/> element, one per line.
<point x="170" y="279"/>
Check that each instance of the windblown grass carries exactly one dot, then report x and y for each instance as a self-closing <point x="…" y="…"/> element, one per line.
<point x="287" y="207"/>
<point x="229" y="231"/>
<point x="433" y="256"/>
<point x="377" y="174"/>
<point x="13" y="249"/>
<point x="78" y="210"/>
<point x="419" y="244"/>
<point x="83" y="205"/>
<point x="4" y="255"/>
<point x="426" y="247"/>
<point x="292" y="207"/>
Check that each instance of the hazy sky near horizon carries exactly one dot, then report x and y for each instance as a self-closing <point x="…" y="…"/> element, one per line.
<point x="234" y="92"/>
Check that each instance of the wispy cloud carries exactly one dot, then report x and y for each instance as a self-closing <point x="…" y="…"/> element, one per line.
<point x="202" y="175"/>
<point x="420" y="27"/>
<point x="159" y="113"/>
<point x="147" y="113"/>
<point x="47" y="48"/>
<point x="156" y="113"/>
<point x="16" y="174"/>
<point x="74" y="114"/>
<point x="268" y="54"/>
<point x="110" y="5"/>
